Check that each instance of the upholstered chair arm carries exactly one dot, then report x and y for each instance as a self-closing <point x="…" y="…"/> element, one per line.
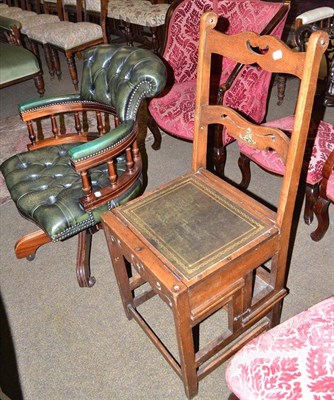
<point x="100" y="150"/>
<point x="71" y="109"/>
<point x="45" y="107"/>
<point x="106" y="150"/>
<point x="11" y="30"/>
<point x="120" y="78"/>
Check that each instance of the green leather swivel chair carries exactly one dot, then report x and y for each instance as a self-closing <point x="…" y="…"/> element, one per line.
<point x="65" y="182"/>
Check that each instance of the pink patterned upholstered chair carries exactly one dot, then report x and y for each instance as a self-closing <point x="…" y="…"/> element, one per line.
<point x="173" y="112"/>
<point x="320" y="144"/>
<point x="326" y="196"/>
<point x="294" y="360"/>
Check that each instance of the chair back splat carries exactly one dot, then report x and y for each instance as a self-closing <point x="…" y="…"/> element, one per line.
<point x="201" y="244"/>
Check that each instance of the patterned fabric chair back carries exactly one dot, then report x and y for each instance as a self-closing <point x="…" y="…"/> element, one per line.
<point x="181" y="48"/>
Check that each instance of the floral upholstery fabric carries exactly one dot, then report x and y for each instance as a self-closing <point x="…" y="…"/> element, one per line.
<point x="17" y="13"/>
<point x="8" y="10"/>
<point x="39" y="35"/>
<point x="66" y="35"/>
<point x="294" y="360"/>
<point x="37" y="20"/>
<point x="320" y="143"/>
<point x="74" y="34"/>
<point x="248" y="93"/>
<point x="143" y="13"/>
<point x="112" y="7"/>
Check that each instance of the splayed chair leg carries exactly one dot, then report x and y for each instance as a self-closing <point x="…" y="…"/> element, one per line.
<point x="83" y="259"/>
<point x="311" y="196"/>
<point x="321" y="213"/>
<point x="244" y="165"/>
<point x="27" y="245"/>
<point x="155" y="132"/>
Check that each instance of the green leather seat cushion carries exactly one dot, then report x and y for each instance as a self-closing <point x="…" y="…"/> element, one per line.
<point x="46" y="190"/>
<point x="16" y="62"/>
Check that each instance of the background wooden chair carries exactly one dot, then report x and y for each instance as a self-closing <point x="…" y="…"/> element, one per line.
<point x="17" y="64"/>
<point x="235" y="85"/>
<point x="69" y="37"/>
<point x="292" y="360"/>
<point x="202" y="245"/>
<point x="304" y="24"/>
<point x="64" y="186"/>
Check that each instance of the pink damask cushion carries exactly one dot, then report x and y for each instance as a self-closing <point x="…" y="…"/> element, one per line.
<point x="174" y="112"/>
<point x="320" y="143"/>
<point x="292" y="361"/>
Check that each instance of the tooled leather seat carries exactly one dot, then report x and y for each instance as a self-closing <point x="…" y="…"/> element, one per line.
<point x="48" y="184"/>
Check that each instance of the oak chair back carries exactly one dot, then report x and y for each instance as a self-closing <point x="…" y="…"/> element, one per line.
<point x="200" y="243"/>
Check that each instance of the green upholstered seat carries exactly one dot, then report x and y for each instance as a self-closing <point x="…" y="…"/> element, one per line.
<point x="47" y="190"/>
<point x="16" y="63"/>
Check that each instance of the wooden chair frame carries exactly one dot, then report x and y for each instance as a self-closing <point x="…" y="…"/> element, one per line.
<point x="13" y="37"/>
<point x="231" y="275"/>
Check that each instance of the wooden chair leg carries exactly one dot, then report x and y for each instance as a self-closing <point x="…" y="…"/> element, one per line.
<point x="311" y="196"/>
<point x="152" y="125"/>
<point x="281" y="85"/>
<point x="185" y="342"/>
<point x="321" y="212"/>
<point x="155" y="41"/>
<point x="83" y="259"/>
<point x="55" y="62"/>
<point x="244" y="165"/>
<point x="73" y="70"/>
<point x="48" y="59"/>
<point x="39" y="83"/>
<point x="128" y="34"/>
<point x="28" y="244"/>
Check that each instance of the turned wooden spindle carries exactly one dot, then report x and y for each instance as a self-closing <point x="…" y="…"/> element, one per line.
<point x="86" y="187"/>
<point x="31" y="132"/>
<point x="78" y="126"/>
<point x="112" y="172"/>
<point x="55" y="129"/>
<point x="135" y="150"/>
<point x="129" y="159"/>
<point x="100" y="125"/>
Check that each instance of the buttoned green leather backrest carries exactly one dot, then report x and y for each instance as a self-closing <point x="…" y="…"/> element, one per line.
<point x="121" y="76"/>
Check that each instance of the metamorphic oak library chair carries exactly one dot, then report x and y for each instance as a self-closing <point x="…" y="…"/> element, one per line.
<point x="202" y="245"/>
<point x="65" y="182"/>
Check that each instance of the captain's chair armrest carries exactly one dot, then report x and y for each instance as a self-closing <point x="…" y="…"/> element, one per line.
<point x="107" y="150"/>
<point x="40" y="108"/>
<point x="102" y="149"/>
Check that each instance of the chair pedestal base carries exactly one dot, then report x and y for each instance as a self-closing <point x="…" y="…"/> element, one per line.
<point x="27" y="246"/>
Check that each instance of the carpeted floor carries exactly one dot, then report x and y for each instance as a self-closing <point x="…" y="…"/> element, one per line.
<point x="61" y="342"/>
